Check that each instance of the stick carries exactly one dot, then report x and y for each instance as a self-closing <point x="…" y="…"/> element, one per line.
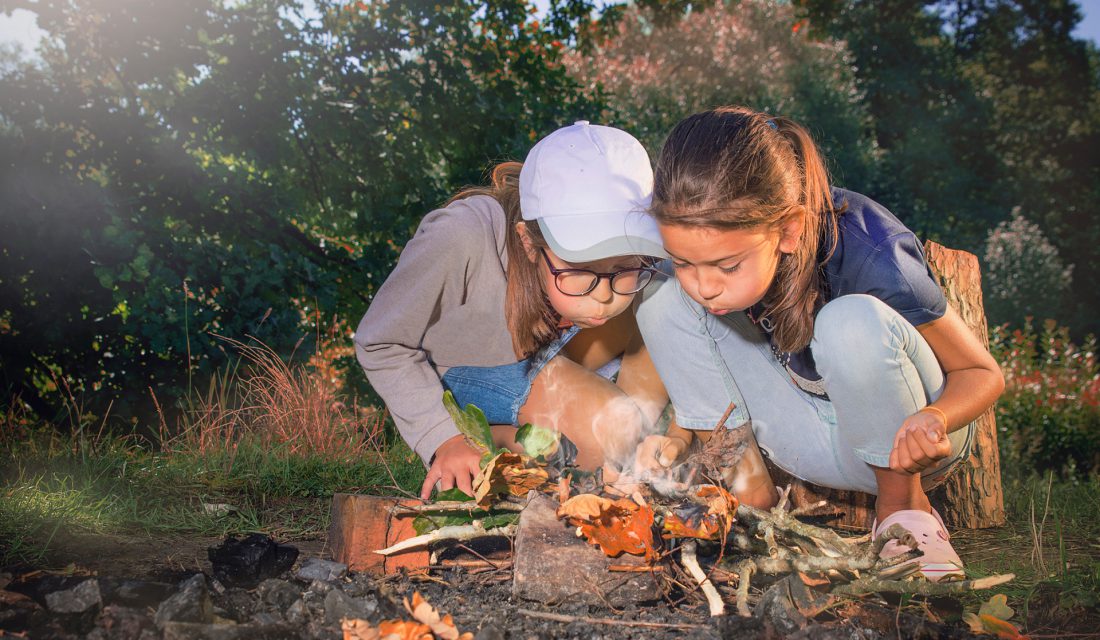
<point x="691" y="563"/>
<point x="456" y="532"/>
<point x="864" y="586"/>
<point x="558" y="617"/>
<point x="744" y="574"/>
<point x="445" y="506"/>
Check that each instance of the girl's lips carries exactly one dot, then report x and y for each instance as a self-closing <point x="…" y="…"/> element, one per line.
<point x="719" y="312"/>
<point x="594" y="322"/>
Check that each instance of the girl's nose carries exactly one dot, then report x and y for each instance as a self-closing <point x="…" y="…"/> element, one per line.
<point x="710" y="284"/>
<point x="602" y="292"/>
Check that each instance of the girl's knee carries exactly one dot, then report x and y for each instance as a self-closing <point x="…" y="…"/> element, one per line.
<point x="852" y="324"/>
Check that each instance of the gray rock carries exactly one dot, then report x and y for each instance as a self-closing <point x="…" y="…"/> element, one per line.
<point x="199" y="631"/>
<point x="190" y="604"/>
<point x="320" y="569"/>
<point x="278" y="593"/>
<point x="297" y="613"/>
<point x="119" y="622"/>
<point x="339" y="605"/>
<point x="489" y="632"/>
<point x="83" y="597"/>
<point x="321" y="587"/>
<point x="265" y="618"/>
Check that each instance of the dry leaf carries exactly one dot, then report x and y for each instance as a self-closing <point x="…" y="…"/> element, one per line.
<point x="443" y="627"/>
<point x="563" y="489"/>
<point x="705" y="528"/>
<point x="987" y="624"/>
<point x="997" y="606"/>
<point x="404" y="630"/>
<point x="356" y="629"/>
<point x="521" y="480"/>
<point x="816" y="580"/>
<point x="507" y="472"/>
<point x="586" y="506"/>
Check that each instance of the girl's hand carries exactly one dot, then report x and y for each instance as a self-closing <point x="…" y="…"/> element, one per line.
<point x="659" y="453"/>
<point x="920" y="443"/>
<point x="456" y="464"/>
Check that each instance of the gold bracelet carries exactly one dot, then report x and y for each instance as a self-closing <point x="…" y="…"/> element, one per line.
<point x="937" y="411"/>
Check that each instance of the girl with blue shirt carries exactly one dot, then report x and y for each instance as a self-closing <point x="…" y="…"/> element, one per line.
<point x="813" y="311"/>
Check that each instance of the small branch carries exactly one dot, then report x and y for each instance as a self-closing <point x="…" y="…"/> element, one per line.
<point x="744" y="575"/>
<point x="451" y="506"/>
<point x="457" y="532"/>
<point x="557" y="617"/>
<point x="691" y="563"/>
<point x="864" y="586"/>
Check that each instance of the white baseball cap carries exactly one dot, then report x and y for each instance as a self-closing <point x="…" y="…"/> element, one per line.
<point x="589" y="188"/>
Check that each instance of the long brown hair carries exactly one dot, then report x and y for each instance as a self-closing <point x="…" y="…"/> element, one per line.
<point x="736" y="168"/>
<point x="531" y="320"/>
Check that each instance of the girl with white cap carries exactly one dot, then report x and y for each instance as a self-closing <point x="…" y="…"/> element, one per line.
<point x="513" y="298"/>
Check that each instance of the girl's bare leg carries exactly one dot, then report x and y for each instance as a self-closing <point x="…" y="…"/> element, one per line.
<point x="595" y="414"/>
<point x="898" y="491"/>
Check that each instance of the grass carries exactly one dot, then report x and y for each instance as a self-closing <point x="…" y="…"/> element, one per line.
<point x="271" y="440"/>
<point x="1051" y="541"/>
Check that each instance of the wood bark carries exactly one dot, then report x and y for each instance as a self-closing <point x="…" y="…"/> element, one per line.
<point x="970" y="496"/>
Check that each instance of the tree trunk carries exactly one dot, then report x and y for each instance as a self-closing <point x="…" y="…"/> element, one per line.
<point x="970" y="497"/>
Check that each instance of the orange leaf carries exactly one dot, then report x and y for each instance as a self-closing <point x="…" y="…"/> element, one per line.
<point x="404" y="630"/>
<point x="521" y="480"/>
<point x="586" y="506"/>
<point x="706" y="529"/>
<point x="992" y="625"/>
<point x="443" y="627"/>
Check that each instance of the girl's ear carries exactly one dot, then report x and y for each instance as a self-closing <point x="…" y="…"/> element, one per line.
<point x="791" y="229"/>
<point x="525" y="239"/>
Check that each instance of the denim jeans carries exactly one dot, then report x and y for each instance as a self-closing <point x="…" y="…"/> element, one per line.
<point x="501" y="391"/>
<point x="876" y="367"/>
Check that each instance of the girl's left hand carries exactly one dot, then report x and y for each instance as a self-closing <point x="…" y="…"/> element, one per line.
<point x="920" y="443"/>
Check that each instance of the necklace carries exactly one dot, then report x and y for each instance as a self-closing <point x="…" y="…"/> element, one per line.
<point x="765" y="323"/>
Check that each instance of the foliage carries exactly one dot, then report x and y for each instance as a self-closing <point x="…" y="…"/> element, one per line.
<point x="1022" y="273"/>
<point x="977" y="107"/>
<point x="658" y="67"/>
<point x="173" y="169"/>
<point x="1049" y="414"/>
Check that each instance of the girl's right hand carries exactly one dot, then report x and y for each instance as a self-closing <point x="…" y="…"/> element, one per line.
<point x="659" y="453"/>
<point x="455" y="465"/>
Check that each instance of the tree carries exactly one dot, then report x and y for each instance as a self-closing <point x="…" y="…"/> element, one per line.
<point x="658" y="67"/>
<point x="178" y="169"/>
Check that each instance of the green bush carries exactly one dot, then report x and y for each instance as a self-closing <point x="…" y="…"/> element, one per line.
<point x="1049" y="415"/>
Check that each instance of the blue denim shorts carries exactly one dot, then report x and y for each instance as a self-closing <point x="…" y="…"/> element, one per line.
<point x="501" y="391"/>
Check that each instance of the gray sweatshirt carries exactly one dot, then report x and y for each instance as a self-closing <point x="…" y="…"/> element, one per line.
<point x="443" y="306"/>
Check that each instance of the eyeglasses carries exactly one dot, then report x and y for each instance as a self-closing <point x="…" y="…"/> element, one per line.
<point x="581" y="282"/>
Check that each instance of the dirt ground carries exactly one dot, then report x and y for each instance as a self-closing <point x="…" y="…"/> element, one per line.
<point x="483" y="603"/>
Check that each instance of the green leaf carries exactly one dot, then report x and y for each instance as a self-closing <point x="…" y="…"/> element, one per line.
<point x="997" y="606"/>
<point x="471" y="423"/>
<point x="536" y="441"/>
<point x="452" y="495"/>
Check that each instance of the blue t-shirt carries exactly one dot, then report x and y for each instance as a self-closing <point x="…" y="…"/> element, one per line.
<point x="878" y="256"/>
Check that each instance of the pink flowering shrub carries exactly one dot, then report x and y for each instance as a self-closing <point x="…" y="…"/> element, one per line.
<point x="1049" y="415"/>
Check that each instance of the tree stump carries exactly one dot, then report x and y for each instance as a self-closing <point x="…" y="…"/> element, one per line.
<point x="970" y="497"/>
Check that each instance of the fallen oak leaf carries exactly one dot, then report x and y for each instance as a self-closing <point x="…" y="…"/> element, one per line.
<point x="997" y="606"/>
<point x="404" y="630"/>
<point x="522" y="480"/>
<point x="586" y="506"/>
<point x="442" y="626"/>
<point x="356" y="629"/>
<point x="490" y="481"/>
<point x="705" y="528"/>
<point x="986" y="624"/>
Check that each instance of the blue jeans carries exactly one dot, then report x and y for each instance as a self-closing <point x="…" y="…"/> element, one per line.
<point x="501" y="391"/>
<point x="877" y="370"/>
